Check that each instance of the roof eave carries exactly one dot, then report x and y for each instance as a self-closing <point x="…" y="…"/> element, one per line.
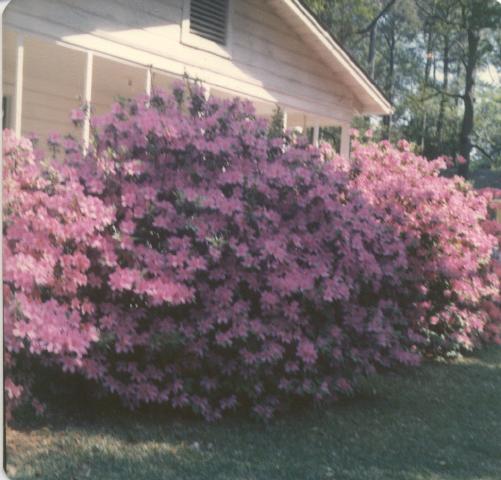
<point x="379" y="104"/>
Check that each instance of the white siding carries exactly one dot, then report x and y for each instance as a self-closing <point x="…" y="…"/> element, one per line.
<point x="49" y="94"/>
<point x="268" y="61"/>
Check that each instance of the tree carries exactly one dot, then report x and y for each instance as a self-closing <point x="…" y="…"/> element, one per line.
<point x="487" y="134"/>
<point x="372" y="29"/>
<point x="471" y="20"/>
<point x="476" y="16"/>
<point x="399" y="28"/>
<point x="425" y="55"/>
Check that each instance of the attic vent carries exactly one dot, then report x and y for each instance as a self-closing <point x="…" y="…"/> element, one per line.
<point x="208" y="19"/>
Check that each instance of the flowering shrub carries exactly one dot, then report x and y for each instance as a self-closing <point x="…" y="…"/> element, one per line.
<point x="492" y="307"/>
<point x="191" y="259"/>
<point x="50" y="226"/>
<point x="439" y="220"/>
<point x="240" y="268"/>
<point x="217" y="266"/>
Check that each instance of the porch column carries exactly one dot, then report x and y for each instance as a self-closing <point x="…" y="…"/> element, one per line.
<point x="316" y="134"/>
<point x="207" y="92"/>
<point x="149" y="81"/>
<point x="344" y="149"/>
<point x="87" y="99"/>
<point x="284" y="118"/>
<point x="18" y="92"/>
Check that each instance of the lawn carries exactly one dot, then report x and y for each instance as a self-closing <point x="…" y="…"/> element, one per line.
<point x="439" y="422"/>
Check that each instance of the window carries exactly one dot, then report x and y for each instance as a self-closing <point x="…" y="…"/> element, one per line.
<point x="207" y="25"/>
<point x="208" y="19"/>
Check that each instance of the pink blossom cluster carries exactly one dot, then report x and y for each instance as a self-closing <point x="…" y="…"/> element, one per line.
<point x="189" y="259"/>
<point x="50" y="224"/>
<point x="441" y="223"/>
<point x="492" y="306"/>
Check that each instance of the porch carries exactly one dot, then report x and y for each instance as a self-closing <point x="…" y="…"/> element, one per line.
<point x="44" y="79"/>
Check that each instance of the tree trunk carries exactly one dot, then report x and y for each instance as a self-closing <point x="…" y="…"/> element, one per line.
<point x="458" y="75"/>
<point x="372" y="28"/>
<point x="426" y="78"/>
<point x="390" y="80"/>
<point x="445" y="86"/>
<point x="372" y="51"/>
<point x="469" y="102"/>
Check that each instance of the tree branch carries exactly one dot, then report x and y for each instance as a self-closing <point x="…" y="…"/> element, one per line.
<point x="429" y="97"/>
<point x="483" y="152"/>
<point x="437" y="15"/>
<point x="447" y="94"/>
<point x="382" y="13"/>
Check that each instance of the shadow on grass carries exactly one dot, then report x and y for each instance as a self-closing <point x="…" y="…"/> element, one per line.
<point x="437" y="422"/>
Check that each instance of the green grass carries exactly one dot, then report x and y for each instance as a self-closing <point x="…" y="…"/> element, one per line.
<point x="439" y="422"/>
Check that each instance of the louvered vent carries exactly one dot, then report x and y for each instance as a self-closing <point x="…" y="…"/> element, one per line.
<point x="208" y="19"/>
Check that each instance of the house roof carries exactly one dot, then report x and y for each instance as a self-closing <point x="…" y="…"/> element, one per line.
<point x="369" y="98"/>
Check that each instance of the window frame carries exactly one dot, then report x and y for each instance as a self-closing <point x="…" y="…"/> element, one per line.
<point x="193" y="40"/>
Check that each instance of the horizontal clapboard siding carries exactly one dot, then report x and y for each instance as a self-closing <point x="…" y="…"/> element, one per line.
<point x="269" y="61"/>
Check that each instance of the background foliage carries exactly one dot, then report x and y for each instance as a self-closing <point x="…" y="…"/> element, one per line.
<point x="431" y="59"/>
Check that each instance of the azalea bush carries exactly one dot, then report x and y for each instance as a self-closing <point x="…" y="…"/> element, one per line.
<point x="51" y="227"/>
<point x="441" y="222"/>
<point x="492" y="306"/>
<point x="240" y="269"/>
<point x="219" y="267"/>
<point x="191" y="258"/>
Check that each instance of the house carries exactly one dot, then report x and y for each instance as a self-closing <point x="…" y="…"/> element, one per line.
<point x="61" y="54"/>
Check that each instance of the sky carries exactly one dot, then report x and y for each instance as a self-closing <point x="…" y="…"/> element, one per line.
<point x="490" y="74"/>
